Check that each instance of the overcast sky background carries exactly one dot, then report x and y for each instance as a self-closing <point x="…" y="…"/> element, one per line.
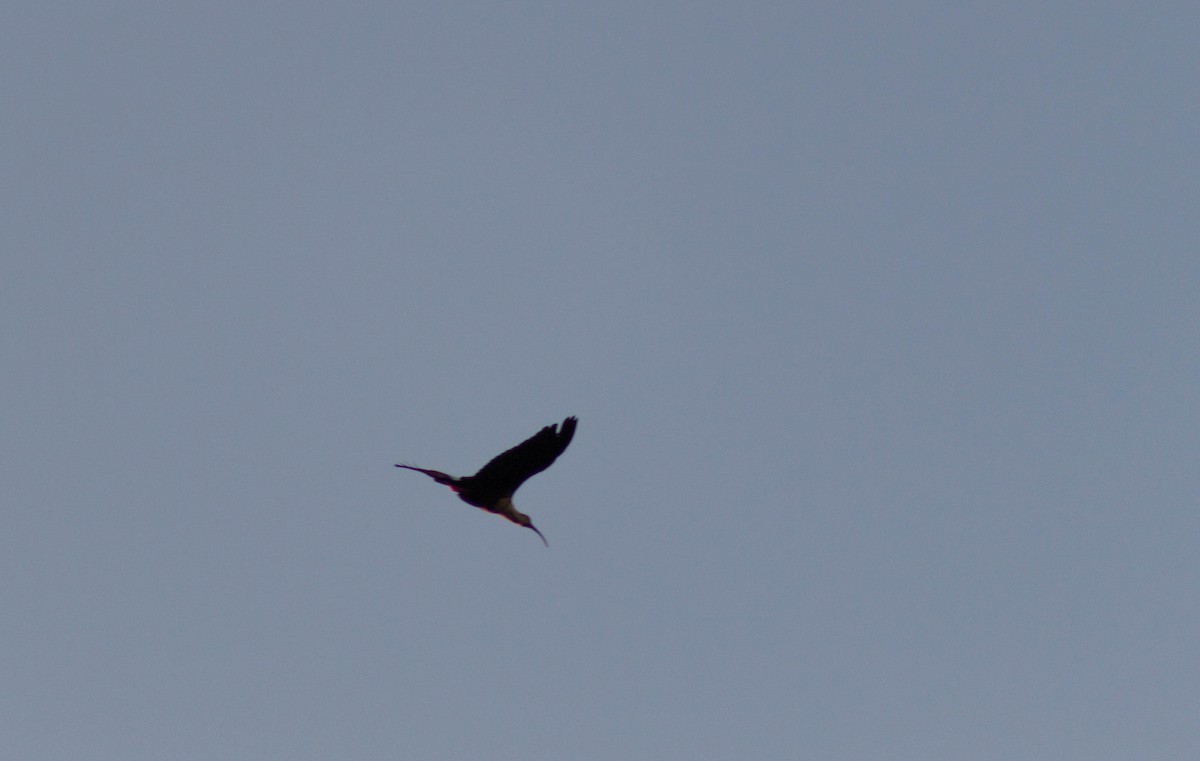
<point x="881" y="321"/>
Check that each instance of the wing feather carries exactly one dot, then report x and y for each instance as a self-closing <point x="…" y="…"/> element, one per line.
<point x="505" y="472"/>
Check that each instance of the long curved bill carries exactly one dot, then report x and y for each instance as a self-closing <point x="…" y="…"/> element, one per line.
<point x="539" y="533"/>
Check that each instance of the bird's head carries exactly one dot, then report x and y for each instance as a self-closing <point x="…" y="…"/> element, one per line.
<point x="523" y="520"/>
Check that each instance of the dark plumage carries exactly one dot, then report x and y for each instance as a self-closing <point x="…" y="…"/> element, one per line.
<point x="493" y="486"/>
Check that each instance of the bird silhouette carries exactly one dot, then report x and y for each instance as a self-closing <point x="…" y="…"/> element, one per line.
<point x="493" y="486"/>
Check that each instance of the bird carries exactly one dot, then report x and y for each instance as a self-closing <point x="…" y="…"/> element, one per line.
<point x="492" y="488"/>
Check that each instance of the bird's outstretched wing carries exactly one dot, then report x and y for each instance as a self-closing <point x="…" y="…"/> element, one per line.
<point x="508" y="470"/>
<point x="436" y="475"/>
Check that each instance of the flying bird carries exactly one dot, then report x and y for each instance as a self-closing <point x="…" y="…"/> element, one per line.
<point x="493" y="486"/>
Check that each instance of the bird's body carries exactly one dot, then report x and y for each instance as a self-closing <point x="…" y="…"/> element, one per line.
<point x="493" y="486"/>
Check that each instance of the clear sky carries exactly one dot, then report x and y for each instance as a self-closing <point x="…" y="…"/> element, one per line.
<point x="881" y="321"/>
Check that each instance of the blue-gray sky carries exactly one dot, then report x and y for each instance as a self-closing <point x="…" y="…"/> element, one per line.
<point x="880" y="321"/>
